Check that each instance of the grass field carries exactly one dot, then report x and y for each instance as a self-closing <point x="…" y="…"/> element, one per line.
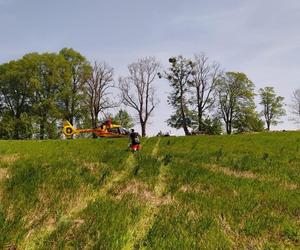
<point x="209" y="192"/>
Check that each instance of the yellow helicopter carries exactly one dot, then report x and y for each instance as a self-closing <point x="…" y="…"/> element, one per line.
<point x="106" y="130"/>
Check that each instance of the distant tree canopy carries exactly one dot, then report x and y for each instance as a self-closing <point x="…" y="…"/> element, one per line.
<point x="236" y="101"/>
<point x="39" y="91"/>
<point x="179" y="76"/>
<point x="30" y="92"/>
<point x="202" y="95"/>
<point x="124" y="119"/>
<point x="272" y="106"/>
<point x="74" y="94"/>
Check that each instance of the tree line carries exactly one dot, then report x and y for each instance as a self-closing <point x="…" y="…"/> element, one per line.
<point x="204" y="97"/>
<point x="39" y="91"/>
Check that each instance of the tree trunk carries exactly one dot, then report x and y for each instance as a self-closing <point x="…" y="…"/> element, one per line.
<point x="186" y="130"/>
<point x="200" y="123"/>
<point x="94" y="126"/>
<point x="16" y="127"/>
<point x="184" y="125"/>
<point x="268" y="125"/>
<point x="200" y="113"/>
<point x="228" y="128"/>
<point x="94" y="123"/>
<point x="16" y="131"/>
<point x="143" y="127"/>
<point x="42" y="129"/>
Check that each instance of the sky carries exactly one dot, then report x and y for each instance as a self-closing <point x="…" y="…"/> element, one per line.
<point x="258" y="37"/>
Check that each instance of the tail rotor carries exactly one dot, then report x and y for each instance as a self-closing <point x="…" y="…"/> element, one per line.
<point x="69" y="130"/>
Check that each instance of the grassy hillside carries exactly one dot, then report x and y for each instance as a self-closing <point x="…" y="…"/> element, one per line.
<point x="222" y="192"/>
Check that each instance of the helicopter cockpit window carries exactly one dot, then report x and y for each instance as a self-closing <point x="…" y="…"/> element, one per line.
<point x="113" y="130"/>
<point x="124" y="131"/>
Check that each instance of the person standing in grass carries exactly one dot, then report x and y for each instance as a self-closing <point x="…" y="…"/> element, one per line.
<point x="134" y="138"/>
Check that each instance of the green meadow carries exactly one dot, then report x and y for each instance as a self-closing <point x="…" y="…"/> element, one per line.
<point x="202" y="192"/>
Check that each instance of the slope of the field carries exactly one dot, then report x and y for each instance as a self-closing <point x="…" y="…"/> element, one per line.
<point x="219" y="192"/>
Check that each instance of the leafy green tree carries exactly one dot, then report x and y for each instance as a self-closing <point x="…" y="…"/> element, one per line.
<point x="49" y="75"/>
<point x="124" y="119"/>
<point x="212" y="126"/>
<point x="272" y="106"/>
<point x="179" y="76"/>
<point x="8" y="126"/>
<point x="177" y="121"/>
<point x="16" y="91"/>
<point x="73" y="94"/>
<point x="38" y="90"/>
<point x="248" y="120"/>
<point x="236" y="93"/>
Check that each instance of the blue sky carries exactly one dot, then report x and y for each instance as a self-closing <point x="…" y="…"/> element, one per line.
<point x="259" y="38"/>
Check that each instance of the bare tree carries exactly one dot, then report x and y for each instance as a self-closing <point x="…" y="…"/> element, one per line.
<point x="138" y="91"/>
<point x="98" y="86"/>
<point x="296" y="105"/>
<point x="205" y="78"/>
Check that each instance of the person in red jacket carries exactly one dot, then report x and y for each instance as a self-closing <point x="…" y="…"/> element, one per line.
<point x="134" y="140"/>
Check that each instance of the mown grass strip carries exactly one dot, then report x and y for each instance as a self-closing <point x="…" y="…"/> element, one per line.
<point x="138" y="233"/>
<point x="236" y="192"/>
<point x="71" y="215"/>
<point x="248" y="175"/>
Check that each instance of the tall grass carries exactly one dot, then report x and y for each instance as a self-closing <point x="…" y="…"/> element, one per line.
<point x="206" y="192"/>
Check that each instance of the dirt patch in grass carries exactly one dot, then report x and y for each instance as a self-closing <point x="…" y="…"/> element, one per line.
<point x="42" y="221"/>
<point x="143" y="194"/>
<point x="92" y="166"/>
<point x="9" y="158"/>
<point x="78" y="222"/>
<point x="185" y="188"/>
<point x="10" y="247"/>
<point x="3" y="173"/>
<point x="196" y="188"/>
<point x="227" y="229"/>
<point x="230" y="172"/>
<point x="290" y="186"/>
<point x="249" y="175"/>
<point x="239" y="241"/>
